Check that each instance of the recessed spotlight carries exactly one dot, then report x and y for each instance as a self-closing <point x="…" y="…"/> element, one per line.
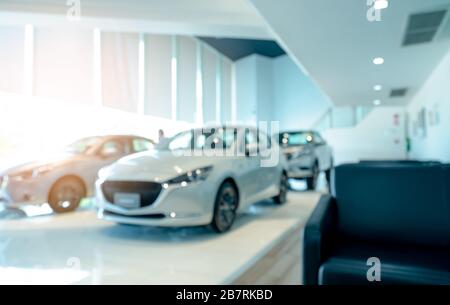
<point x="377" y="87"/>
<point x="377" y="102"/>
<point x="381" y="4"/>
<point x="378" y="61"/>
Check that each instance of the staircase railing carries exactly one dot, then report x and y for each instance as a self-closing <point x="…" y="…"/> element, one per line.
<point x="342" y="117"/>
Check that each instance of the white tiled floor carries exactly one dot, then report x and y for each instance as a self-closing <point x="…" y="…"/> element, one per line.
<point x="79" y="248"/>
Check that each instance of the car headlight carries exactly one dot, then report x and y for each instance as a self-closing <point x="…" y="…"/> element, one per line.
<point x="199" y="174"/>
<point x="32" y="173"/>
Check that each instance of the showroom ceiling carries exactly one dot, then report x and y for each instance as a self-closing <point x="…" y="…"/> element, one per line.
<point x="216" y="18"/>
<point x="336" y="44"/>
<point x="332" y="40"/>
<point x="236" y="49"/>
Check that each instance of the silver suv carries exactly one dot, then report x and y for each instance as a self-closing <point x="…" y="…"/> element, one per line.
<point x="307" y="154"/>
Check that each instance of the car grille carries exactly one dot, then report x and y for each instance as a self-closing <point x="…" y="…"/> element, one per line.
<point x="149" y="216"/>
<point x="148" y="191"/>
<point x="288" y="156"/>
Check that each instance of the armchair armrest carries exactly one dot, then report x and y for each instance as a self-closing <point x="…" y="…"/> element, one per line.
<point x="319" y="227"/>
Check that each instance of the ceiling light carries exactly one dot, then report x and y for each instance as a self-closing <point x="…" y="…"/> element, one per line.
<point x="377" y="87"/>
<point x="377" y="102"/>
<point x="378" y="61"/>
<point x="381" y="4"/>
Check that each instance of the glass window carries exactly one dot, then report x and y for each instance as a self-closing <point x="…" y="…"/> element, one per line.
<point x="251" y="137"/>
<point x="11" y="58"/>
<point x="158" y="80"/>
<point x="181" y="141"/>
<point x="142" y="145"/>
<point x="187" y="73"/>
<point x="295" y="138"/>
<point x="318" y="138"/>
<point x="83" y="146"/>
<point x="113" y="148"/>
<point x="63" y="63"/>
<point x="120" y="53"/>
<point x="222" y="138"/>
<point x="203" y="139"/>
<point x="251" y="142"/>
<point x="264" y="141"/>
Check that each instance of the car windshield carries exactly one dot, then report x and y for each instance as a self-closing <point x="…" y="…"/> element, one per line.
<point x="82" y="146"/>
<point x="208" y="138"/>
<point x="295" y="138"/>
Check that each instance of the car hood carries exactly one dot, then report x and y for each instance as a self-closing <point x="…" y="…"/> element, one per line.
<point x="21" y="163"/>
<point x="156" y="165"/>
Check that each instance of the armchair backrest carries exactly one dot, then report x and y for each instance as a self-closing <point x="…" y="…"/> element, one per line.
<point x="394" y="202"/>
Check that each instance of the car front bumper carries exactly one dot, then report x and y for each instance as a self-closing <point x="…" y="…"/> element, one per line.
<point x="301" y="167"/>
<point x="299" y="173"/>
<point x="15" y="193"/>
<point x="192" y="205"/>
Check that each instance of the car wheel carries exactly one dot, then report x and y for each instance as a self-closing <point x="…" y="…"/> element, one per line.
<point x="66" y="195"/>
<point x="225" y="208"/>
<point x="284" y="186"/>
<point x="311" y="182"/>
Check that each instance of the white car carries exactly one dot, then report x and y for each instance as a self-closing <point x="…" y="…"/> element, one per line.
<point x="200" y="177"/>
<point x="307" y="154"/>
<point x="64" y="179"/>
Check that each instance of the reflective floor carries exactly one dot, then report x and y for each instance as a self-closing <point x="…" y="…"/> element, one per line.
<point x="78" y="248"/>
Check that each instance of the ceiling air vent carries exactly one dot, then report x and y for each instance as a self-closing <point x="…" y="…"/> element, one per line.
<point x="400" y="92"/>
<point x="422" y="27"/>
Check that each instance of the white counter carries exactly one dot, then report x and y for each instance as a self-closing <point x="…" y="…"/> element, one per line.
<point x="77" y="248"/>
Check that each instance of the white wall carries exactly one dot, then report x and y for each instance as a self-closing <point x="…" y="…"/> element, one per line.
<point x="434" y="95"/>
<point x="254" y="89"/>
<point x="378" y="136"/>
<point x="298" y="101"/>
<point x="276" y="90"/>
<point x="209" y="75"/>
<point x="226" y="90"/>
<point x="343" y="116"/>
<point x="246" y="89"/>
<point x="265" y="97"/>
